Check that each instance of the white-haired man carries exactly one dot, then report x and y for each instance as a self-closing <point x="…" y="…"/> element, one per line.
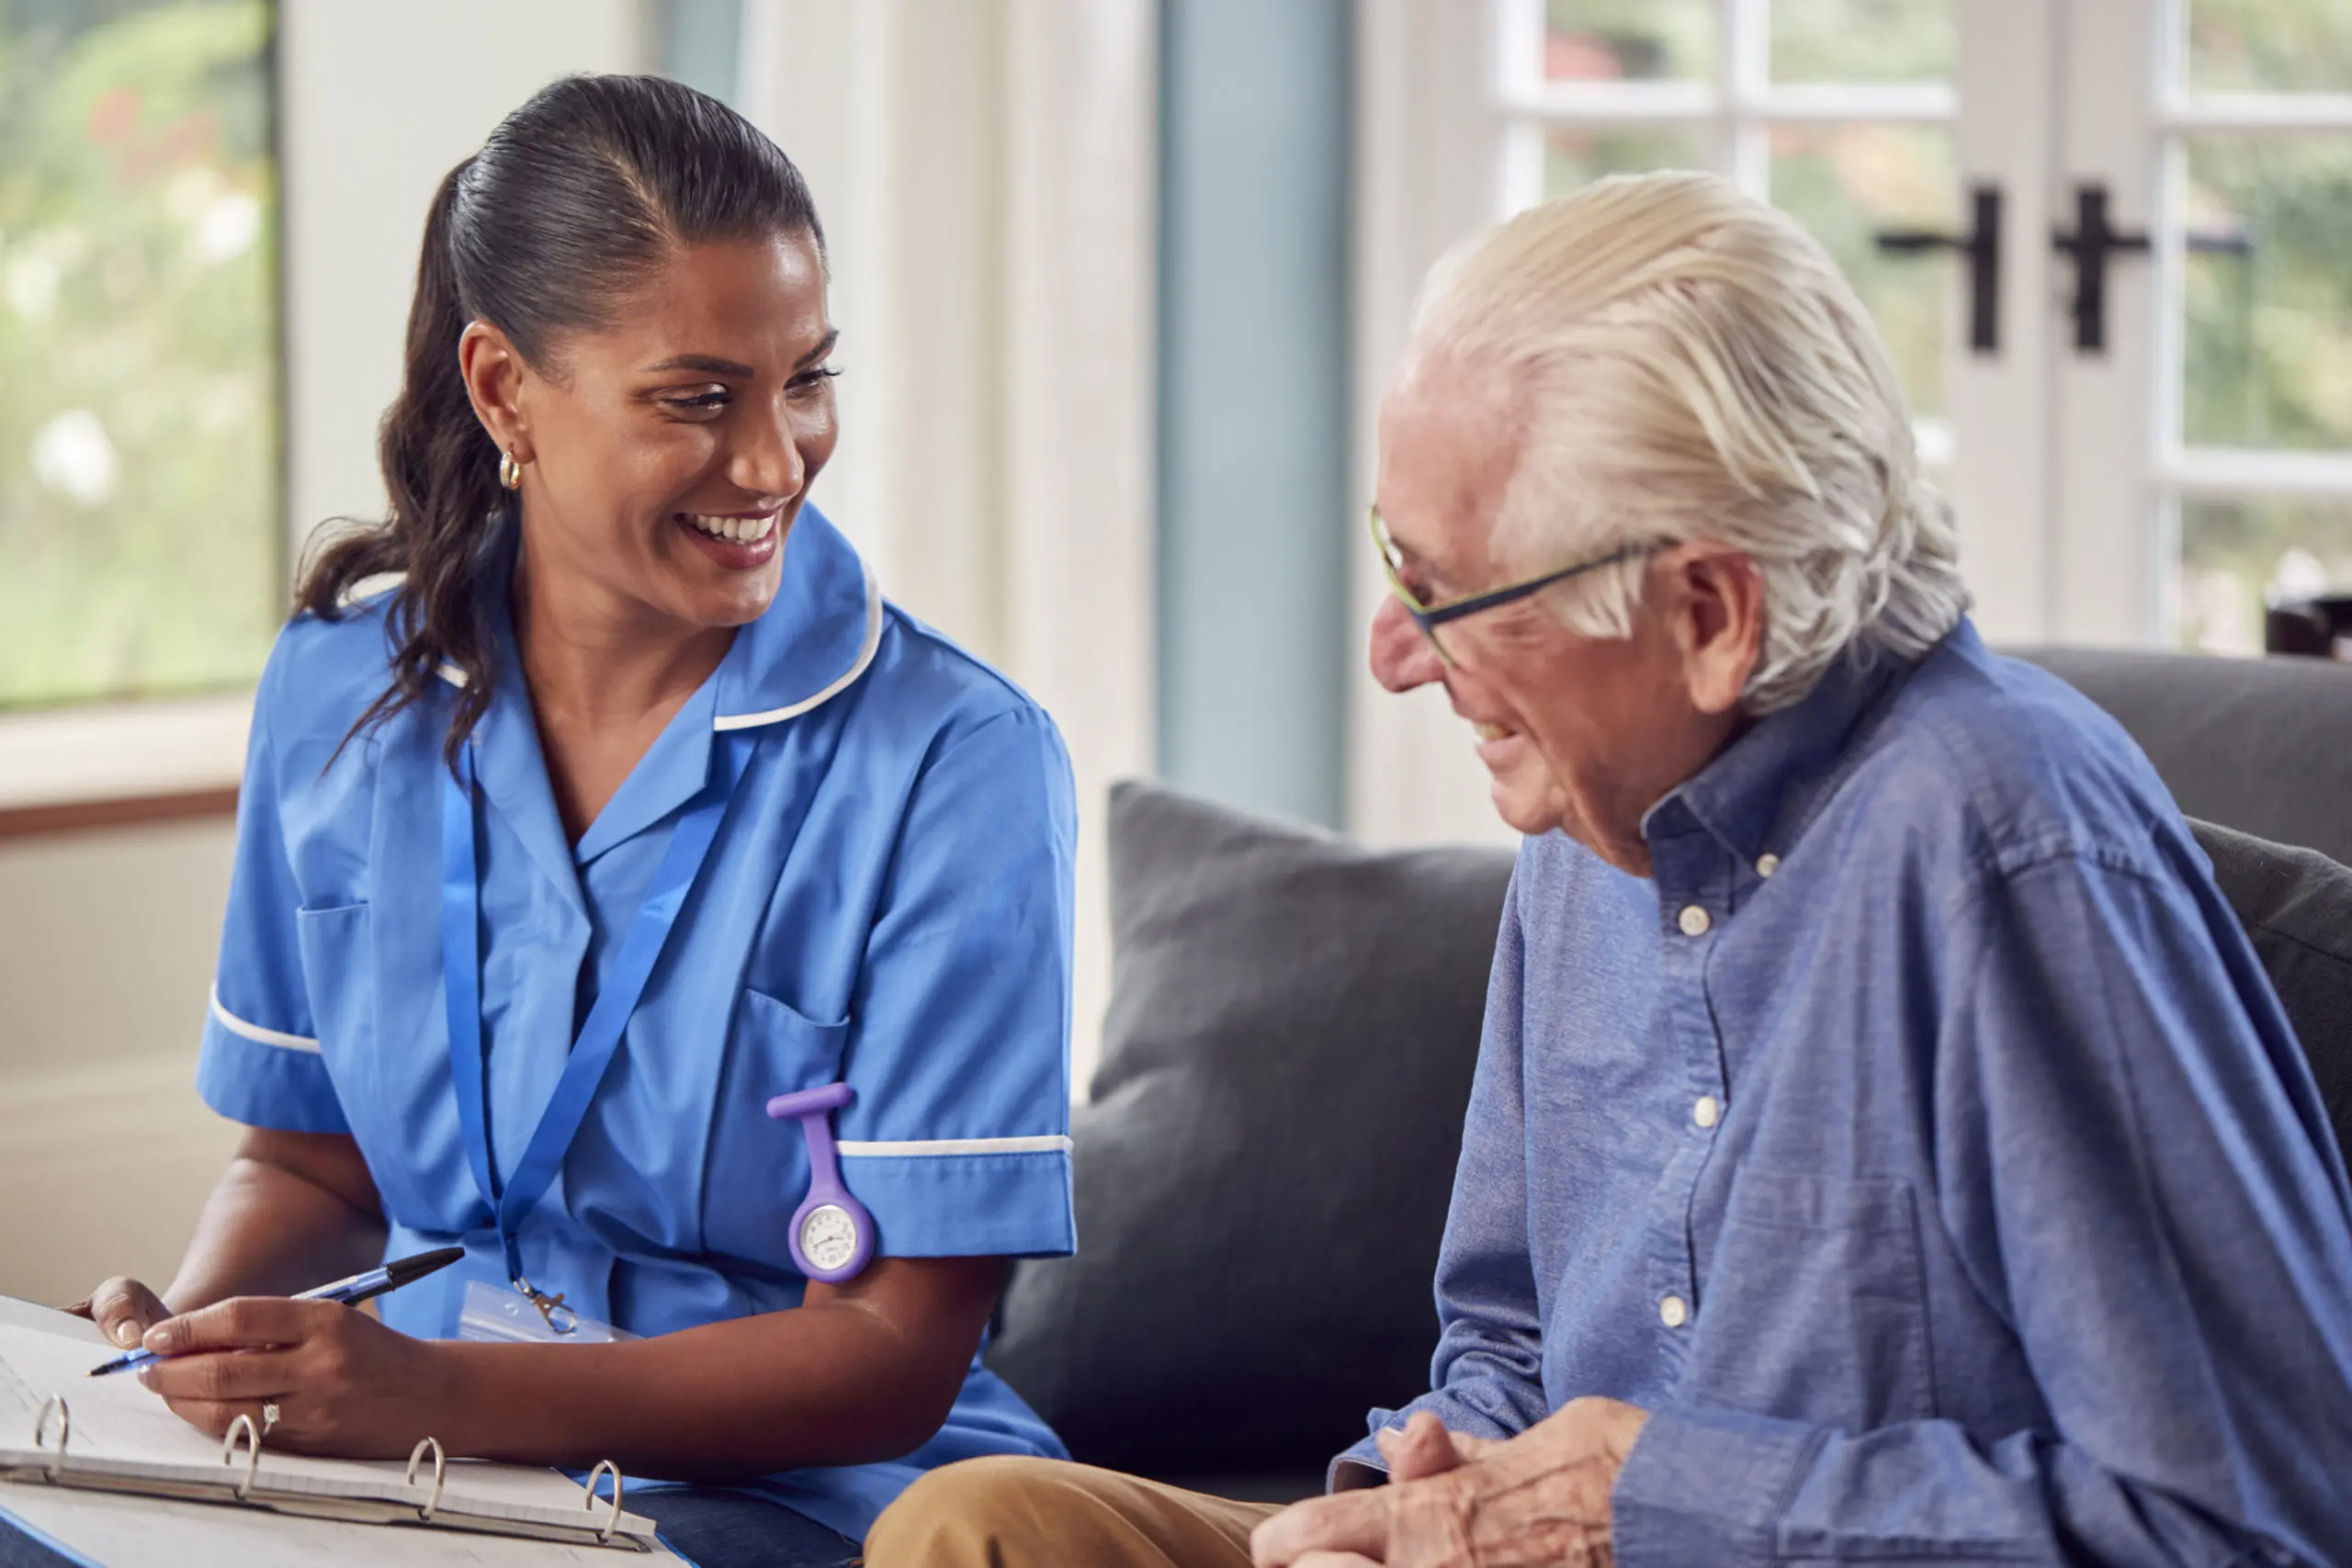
<point x="1884" y="1144"/>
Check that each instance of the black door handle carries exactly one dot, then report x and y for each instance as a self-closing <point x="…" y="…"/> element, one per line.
<point x="2095" y="239"/>
<point x="1981" y="248"/>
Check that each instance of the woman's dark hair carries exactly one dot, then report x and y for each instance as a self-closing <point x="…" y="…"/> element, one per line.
<point x="577" y="197"/>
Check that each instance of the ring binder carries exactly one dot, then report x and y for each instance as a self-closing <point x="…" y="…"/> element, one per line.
<point x="117" y="1438"/>
<point x="440" y="1463"/>
<point x="244" y="1424"/>
<point x="613" y="1522"/>
<point x="64" y="1431"/>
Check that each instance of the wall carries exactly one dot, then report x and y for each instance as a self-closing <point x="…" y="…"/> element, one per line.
<point x="106" y="938"/>
<point x="106" y="956"/>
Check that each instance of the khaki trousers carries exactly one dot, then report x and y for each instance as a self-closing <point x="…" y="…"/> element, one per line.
<point x="1016" y="1512"/>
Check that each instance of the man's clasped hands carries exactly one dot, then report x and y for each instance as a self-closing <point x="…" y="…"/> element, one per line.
<point x="1455" y="1501"/>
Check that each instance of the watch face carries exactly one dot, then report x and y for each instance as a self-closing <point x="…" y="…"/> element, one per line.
<point x="829" y="1237"/>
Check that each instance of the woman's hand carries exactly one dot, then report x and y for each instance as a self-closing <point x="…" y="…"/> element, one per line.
<point x="124" y="1309"/>
<point x="342" y="1382"/>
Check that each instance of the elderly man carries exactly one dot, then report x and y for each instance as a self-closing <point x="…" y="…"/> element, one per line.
<point x="1884" y="1144"/>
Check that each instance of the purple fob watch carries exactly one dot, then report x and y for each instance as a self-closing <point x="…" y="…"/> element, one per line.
<point x="832" y="1235"/>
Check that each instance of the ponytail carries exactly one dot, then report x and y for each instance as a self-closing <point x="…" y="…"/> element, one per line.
<point x="578" y="196"/>
<point x="450" y="514"/>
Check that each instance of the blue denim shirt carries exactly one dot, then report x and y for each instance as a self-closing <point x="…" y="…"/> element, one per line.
<point x="1924" y="1146"/>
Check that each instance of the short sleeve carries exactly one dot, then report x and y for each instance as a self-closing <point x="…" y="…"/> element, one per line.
<point x="260" y="1062"/>
<point x="958" y="1138"/>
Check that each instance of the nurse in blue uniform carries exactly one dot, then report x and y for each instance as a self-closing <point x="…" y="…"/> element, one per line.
<point x="631" y="806"/>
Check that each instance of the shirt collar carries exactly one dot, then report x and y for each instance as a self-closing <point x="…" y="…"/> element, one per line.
<point x="1759" y="791"/>
<point x="814" y="640"/>
<point x="816" y="637"/>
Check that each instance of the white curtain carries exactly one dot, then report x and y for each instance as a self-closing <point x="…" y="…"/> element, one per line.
<point x="984" y="169"/>
<point x="1423" y="116"/>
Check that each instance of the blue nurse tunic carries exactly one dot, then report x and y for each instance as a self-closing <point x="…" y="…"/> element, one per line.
<point x="887" y="902"/>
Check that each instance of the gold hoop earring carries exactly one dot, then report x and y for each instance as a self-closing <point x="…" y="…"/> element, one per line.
<point x="510" y="472"/>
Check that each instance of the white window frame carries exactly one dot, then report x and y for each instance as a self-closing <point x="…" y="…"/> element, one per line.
<point x="2126" y="467"/>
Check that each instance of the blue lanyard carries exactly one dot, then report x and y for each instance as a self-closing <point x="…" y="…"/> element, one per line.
<point x="599" y="1037"/>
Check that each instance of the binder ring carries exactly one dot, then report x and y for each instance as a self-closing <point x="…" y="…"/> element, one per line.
<point x="613" y="1520"/>
<point x="252" y="1453"/>
<point x="65" y="1430"/>
<point x="415" y="1458"/>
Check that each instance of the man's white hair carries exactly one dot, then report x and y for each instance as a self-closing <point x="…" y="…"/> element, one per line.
<point x="1690" y="365"/>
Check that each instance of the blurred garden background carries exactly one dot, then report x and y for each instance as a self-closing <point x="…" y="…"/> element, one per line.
<point x="141" y="549"/>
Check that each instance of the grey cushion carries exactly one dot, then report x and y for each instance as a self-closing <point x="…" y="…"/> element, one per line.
<point x="2297" y="907"/>
<point x="2260" y="745"/>
<point x="1264" y="1171"/>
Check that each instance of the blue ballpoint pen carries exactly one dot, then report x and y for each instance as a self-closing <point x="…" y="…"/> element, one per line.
<point x="350" y="1292"/>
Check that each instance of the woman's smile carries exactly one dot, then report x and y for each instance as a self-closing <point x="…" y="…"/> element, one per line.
<point x="737" y="541"/>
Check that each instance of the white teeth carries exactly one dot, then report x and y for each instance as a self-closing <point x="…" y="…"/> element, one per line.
<point x="1492" y="731"/>
<point x="735" y="530"/>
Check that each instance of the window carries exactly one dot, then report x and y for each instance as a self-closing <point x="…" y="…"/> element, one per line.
<point x="1839" y="111"/>
<point x="2258" y="141"/>
<point x="141" y="549"/>
<point x="2156" y="484"/>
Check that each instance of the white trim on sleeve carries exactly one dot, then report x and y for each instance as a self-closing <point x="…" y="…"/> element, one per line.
<point x="256" y="1033"/>
<point x="1044" y="1143"/>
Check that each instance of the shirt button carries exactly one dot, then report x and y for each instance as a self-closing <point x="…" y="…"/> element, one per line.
<point x="1767" y="865"/>
<point x="1674" y="1312"/>
<point x="1706" y="1112"/>
<point x="1693" y="920"/>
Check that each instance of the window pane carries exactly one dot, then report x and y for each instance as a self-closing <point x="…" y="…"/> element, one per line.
<point x="1862" y="40"/>
<point x="1629" y="40"/>
<point x="1846" y="182"/>
<point x="139" y="507"/>
<point x="2275" y="46"/>
<point x="1573" y="158"/>
<point x="2233" y="551"/>
<point x="2268" y="338"/>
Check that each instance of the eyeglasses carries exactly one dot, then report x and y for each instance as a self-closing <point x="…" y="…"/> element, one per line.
<point x="1429" y="617"/>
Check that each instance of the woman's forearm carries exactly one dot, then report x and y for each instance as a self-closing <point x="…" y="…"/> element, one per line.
<point x="272" y="1228"/>
<point x="835" y="1382"/>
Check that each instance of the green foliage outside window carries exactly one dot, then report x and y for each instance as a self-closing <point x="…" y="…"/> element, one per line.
<point x="141" y="543"/>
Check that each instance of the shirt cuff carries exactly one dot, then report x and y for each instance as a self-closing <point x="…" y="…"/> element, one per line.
<point x="1370" y="1462"/>
<point x="279" y="1081"/>
<point x="967" y="1205"/>
<point x="1705" y="1485"/>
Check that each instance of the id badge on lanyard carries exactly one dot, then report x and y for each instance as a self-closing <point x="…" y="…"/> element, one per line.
<point x="495" y="1315"/>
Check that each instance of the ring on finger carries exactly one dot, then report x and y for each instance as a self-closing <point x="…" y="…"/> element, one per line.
<point x="269" y="1415"/>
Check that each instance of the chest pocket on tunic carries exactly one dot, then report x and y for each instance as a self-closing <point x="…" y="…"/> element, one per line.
<point x="1813" y="1304"/>
<point x="339" y="973"/>
<point x="757" y="1172"/>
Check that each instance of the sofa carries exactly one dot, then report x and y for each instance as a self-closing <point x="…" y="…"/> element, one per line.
<point x="1265" y="1156"/>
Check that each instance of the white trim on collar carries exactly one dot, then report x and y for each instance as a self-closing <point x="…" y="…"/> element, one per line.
<point x="848" y="677"/>
<point x="873" y="643"/>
